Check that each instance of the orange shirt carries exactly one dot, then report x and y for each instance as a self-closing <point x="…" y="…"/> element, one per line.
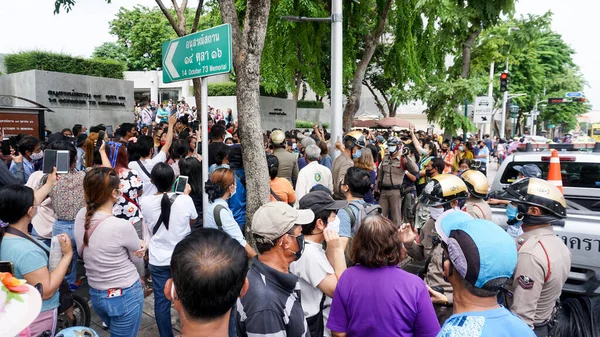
<point x="449" y="161"/>
<point x="283" y="189"/>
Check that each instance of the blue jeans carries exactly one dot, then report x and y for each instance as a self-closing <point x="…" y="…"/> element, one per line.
<point x="67" y="227"/>
<point x="122" y="314"/>
<point x="162" y="306"/>
<point x="35" y="234"/>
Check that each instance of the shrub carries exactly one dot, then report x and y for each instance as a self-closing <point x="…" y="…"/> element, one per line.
<point x="300" y="124"/>
<point x="310" y="104"/>
<point x="63" y="63"/>
<point x="229" y="89"/>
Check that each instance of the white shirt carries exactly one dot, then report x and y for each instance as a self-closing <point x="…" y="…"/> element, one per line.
<point x="311" y="175"/>
<point x="164" y="241"/>
<point x="149" y="188"/>
<point x="230" y="226"/>
<point x="312" y="268"/>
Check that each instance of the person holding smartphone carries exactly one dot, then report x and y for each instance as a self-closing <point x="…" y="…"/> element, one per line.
<point x="169" y="217"/>
<point x="18" y="205"/>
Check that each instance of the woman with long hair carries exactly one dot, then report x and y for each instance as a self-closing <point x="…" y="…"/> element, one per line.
<point x="280" y="187"/>
<point x="169" y="217"/>
<point x="192" y="168"/>
<point x="220" y="187"/>
<point x="109" y="246"/>
<point x="376" y="297"/>
<point x="366" y="162"/>
<point x="28" y="255"/>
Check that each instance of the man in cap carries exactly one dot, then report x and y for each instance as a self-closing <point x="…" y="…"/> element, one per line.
<point x="319" y="270"/>
<point x="272" y="307"/>
<point x="390" y="176"/>
<point x="544" y="261"/>
<point x="354" y="142"/>
<point x="478" y="259"/>
<point x="288" y="165"/>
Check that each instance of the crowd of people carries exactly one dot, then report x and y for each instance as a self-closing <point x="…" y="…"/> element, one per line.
<point x="324" y="253"/>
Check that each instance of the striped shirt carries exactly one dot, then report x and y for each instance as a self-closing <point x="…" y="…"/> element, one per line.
<point x="271" y="307"/>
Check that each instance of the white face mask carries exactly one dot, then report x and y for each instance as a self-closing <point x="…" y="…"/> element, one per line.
<point x="234" y="191"/>
<point x="392" y="149"/>
<point x="334" y="225"/>
<point x="37" y="155"/>
<point x="172" y="292"/>
<point x="435" y="212"/>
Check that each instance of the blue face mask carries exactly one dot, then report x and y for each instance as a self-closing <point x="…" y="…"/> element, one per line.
<point x="511" y="211"/>
<point x="357" y="154"/>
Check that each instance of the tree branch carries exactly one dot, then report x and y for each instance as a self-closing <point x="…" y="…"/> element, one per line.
<point x="381" y="25"/>
<point x="169" y="17"/>
<point x="197" y="17"/>
<point x="230" y="16"/>
<point x="176" y="6"/>
<point x="377" y="100"/>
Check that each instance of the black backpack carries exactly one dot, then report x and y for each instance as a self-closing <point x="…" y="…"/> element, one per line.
<point x="364" y="210"/>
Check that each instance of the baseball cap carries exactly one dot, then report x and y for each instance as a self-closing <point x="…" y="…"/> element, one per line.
<point x="480" y="250"/>
<point x="274" y="219"/>
<point x="380" y="139"/>
<point x="529" y="170"/>
<point x="319" y="201"/>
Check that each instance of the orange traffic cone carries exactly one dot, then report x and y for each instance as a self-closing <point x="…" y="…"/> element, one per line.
<point x="554" y="175"/>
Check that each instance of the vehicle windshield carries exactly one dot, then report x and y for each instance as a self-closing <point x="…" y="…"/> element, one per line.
<point x="574" y="174"/>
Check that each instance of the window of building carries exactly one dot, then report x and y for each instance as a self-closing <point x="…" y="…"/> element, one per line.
<point x="141" y="96"/>
<point x="164" y="95"/>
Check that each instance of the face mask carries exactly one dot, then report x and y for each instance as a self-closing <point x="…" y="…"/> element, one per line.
<point x="461" y="148"/>
<point x="234" y="191"/>
<point x="444" y="150"/>
<point x="461" y="170"/>
<point x="392" y="149"/>
<point x="357" y="154"/>
<point x="481" y="146"/>
<point x="298" y="253"/>
<point x="173" y="292"/>
<point x="334" y="225"/>
<point x="294" y="146"/>
<point x="425" y="152"/>
<point x="511" y="211"/>
<point x="428" y="173"/>
<point x="37" y="155"/>
<point x="435" y="212"/>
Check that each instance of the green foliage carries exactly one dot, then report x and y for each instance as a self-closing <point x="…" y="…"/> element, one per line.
<point x="300" y="124"/>
<point x="111" y="51"/>
<point x="63" y="63"/>
<point x="229" y="89"/>
<point x="310" y="104"/>
<point x="141" y="31"/>
<point x="66" y="5"/>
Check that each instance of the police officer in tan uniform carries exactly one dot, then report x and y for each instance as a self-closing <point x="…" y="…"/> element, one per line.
<point x="477" y="184"/>
<point x="390" y="176"/>
<point x="543" y="261"/>
<point x="443" y="192"/>
<point x="288" y="164"/>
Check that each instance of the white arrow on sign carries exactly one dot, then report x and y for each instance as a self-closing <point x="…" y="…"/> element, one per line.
<point x="169" y="59"/>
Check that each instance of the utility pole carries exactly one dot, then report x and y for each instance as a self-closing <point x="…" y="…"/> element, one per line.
<point x="505" y="99"/>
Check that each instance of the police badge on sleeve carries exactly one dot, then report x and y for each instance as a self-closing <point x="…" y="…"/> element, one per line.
<point x="525" y="282"/>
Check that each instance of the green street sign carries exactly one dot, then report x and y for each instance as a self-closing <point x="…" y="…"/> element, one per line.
<point x="551" y="126"/>
<point x="201" y="54"/>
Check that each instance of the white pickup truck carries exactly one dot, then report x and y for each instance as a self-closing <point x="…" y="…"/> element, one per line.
<point x="581" y="233"/>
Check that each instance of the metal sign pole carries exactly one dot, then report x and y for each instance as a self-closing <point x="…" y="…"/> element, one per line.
<point x="204" y="121"/>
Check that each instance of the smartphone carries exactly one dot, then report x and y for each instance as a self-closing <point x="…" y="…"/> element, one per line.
<point x="199" y="147"/>
<point x="100" y="140"/>
<point x="62" y="161"/>
<point x="109" y="131"/>
<point x="5" y="147"/>
<point x="180" y="184"/>
<point x="195" y="125"/>
<point x="49" y="161"/>
<point x="12" y="141"/>
<point x="7" y="267"/>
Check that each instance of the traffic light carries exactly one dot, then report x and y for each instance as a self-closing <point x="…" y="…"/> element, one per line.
<point x="504" y="82"/>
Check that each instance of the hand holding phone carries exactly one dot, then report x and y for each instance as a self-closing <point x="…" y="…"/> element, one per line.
<point x="180" y="184"/>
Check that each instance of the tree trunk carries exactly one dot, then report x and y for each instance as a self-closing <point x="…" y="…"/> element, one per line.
<point x="247" y="50"/>
<point x="372" y="40"/>
<point x="466" y="52"/>
<point x="198" y="96"/>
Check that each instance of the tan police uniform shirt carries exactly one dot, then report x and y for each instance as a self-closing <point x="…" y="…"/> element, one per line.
<point x="341" y="164"/>
<point x="391" y="171"/>
<point x="478" y="208"/>
<point x="434" y="274"/>
<point x="288" y="164"/>
<point x="543" y="266"/>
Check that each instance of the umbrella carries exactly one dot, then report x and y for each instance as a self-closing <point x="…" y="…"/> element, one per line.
<point x="365" y="123"/>
<point x="389" y="122"/>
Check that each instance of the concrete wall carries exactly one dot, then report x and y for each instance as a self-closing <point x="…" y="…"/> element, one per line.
<point x="50" y="88"/>
<point x="315" y="115"/>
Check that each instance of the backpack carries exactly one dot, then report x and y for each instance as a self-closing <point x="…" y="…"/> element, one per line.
<point x="364" y="210"/>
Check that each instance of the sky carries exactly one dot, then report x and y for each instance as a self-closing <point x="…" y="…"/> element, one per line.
<point x="34" y="26"/>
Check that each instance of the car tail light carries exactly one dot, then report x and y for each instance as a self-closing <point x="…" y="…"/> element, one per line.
<point x="565" y="158"/>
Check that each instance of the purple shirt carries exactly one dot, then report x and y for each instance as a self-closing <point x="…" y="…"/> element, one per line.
<point x="384" y="301"/>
